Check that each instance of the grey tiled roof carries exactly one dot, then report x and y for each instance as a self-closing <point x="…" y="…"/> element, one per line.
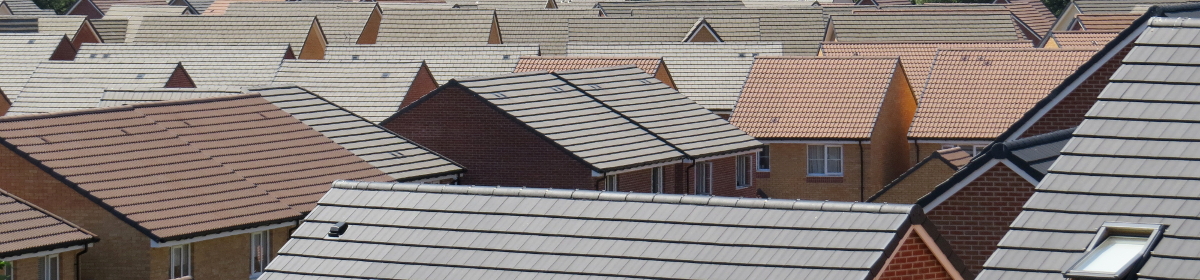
<point x="446" y="61"/>
<point x="1133" y="159"/>
<point x="372" y="89"/>
<point x="1121" y="6"/>
<point x="223" y="29"/>
<point x="124" y="10"/>
<point x="619" y="8"/>
<point x="209" y="64"/>
<point x="436" y="26"/>
<point x="801" y="30"/>
<point x="21" y="55"/>
<point x="711" y="74"/>
<point x="545" y="27"/>
<point x="657" y="29"/>
<point x="500" y="4"/>
<point x="127" y="96"/>
<point x="26" y="7"/>
<point x="696" y="132"/>
<point x="409" y="231"/>
<point x="112" y="30"/>
<point x="60" y="25"/>
<point x="868" y="27"/>
<point x="342" y="22"/>
<point x="18" y="24"/>
<point x="64" y="86"/>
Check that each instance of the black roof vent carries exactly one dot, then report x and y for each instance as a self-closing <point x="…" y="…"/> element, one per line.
<point x="338" y="229"/>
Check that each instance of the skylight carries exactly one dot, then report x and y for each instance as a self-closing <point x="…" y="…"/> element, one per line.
<point x="1117" y="250"/>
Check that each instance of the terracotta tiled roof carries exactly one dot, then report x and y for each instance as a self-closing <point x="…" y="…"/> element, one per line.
<point x="917" y="58"/>
<point x="977" y="94"/>
<point x="26" y="228"/>
<point x="1115" y="22"/>
<point x="558" y="63"/>
<point x="954" y="156"/>
<point x="813" y="97"/>
<point x="1034" y="14"/>
<point x="1082" y="39"/>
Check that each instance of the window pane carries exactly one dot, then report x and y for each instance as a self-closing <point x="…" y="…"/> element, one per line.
<point x="1113" y="254"/>
<point x="52" y="270"/>
<point x="656" y="181"/>
<point x="175" y="259"/>
<point x="764" y="159"/>
<point x="835" y="152"/>
<point x="186" y="263"/>
<point x="816" y="159"/>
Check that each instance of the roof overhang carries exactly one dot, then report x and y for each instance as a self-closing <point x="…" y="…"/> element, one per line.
<point x="47" y="252"/>
<point x="155" y="244"/>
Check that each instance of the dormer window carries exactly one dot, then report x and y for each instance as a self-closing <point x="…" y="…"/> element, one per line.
<point x="1117" y="250"/>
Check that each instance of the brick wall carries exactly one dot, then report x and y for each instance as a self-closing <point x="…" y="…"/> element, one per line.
<point x="422" y="84"/>
<point x="27" y="269"/>
<point x="122" y="252"/>
<point x="923" y="148"/>
<point x="1069" y="112"/>
<point x="977" y="217"/>
<point x="918" y="183"/>
<point x="788" y="178"/>
<point x="913" y="261"/>
<point x="889" y="137"/>
<point x="222" y="258"/>
<point x="494" y="149"/>
<point x="725" y="179"/>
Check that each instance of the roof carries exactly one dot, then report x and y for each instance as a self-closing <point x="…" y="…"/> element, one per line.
<point x="64" y="86"/>
<point x="124" y="10"/>
<point x="526" y="233"/>
<point x="814" y="97"/>
<point x="977" y="94"/>
<point x="1034" y="14"/>
<point x="26" y="7"/>
<point x="112" y="30"/>
<point x="641" y="29"/>
<point x="619" y="8"/>
<point x="500" y="4"/>
<point x="105" y="5"/>
<point x="224" y="29"/>
<point x="598" y="136"/>
<point x="26" y="228"/>
<point x="1082" y="39"/>
<point x="711" y="74"/>
<point x="1121" y="6"/>
<point x="917" y="57"/>
<point x="373" y="89"/>
<point x="940" y="162"/>
<point x="208" y="64"/>
<point x="18" y="24"/>
<point x="142" y="172"/>
<point x="933" y="27"/>
<point x="1114" y="22"/>
<point x="342" y="22"/>
<point x="1129" y="161"/>
<point x="436" y="26"/>
<point x="691" y="129"/>
<point x="799" y="29"/>
<point x="219" y="7"/>
<point x="650" y="65"/>
<point x="114" y="97"/>
<point x="545" y="27"/>
<point x="21" y="55"/>
<point x="446" y="61"/>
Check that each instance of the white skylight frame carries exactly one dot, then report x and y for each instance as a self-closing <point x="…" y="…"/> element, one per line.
<point x="1152" y="233"/>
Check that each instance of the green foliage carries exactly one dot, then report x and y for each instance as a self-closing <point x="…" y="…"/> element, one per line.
<point x="59" y="6"/>
<point x="4" y="264"/>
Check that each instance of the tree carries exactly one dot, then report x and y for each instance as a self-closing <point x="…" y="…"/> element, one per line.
<point x="59" y="6"/>
<point x="4" y="264"/>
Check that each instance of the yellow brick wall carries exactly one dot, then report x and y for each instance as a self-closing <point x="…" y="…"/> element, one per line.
<point x="788" y="177"/>
<point x="27" y="269"/>
<point x="923" y="179"/>
<point x="221" y="258"/>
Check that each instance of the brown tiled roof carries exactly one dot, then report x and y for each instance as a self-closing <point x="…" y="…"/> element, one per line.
<point x="1106" y="22"/>
<point x="977" y="94"/>
<point x="264" y="144"/>
<point x="924" y="177"/>
<point x="917" y="58"/>
<point x="1082" y="39"/>
<point x="1034" y="14"/>
<point x="26" y="228"/>
<point x="560" y="63"/>
<point x="143" y="173"/>
<point x="955" y="157"/>
<point x="813" y="97"/>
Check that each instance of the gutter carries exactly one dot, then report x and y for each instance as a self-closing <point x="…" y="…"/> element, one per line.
<point x="85" y="249"/>
<point x="862" y="173"/>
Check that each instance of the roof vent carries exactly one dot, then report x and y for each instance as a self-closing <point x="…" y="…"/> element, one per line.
<point x="105" y="55"/>
<point x="354" y="57"/>
<point x="338" y="229"/>
<point x="92" y="56"/>
<point x="385" y="75"/>
<point x="30" y="41"/>
<point x="506" y="56"/>
<point x="396" y="154"/>
<point x="141" y="76"/>
<point x="741" y="55"/>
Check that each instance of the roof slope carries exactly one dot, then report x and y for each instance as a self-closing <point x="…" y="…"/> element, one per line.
<point x="446" y="61"/>
<point x="596" y="134"/>
<point x="26" y="8"/>
<point x="112" y="30"/>
<point x="622" y="8"/>
<point x="916" y="57"/>
<point x="545" y="27"/>
<point x="1034" y="14"/>
<point x="658" y="29"/>
<point x="219" y="7"/>
<point x="933" y="27"/>
<point x="342" y="22"/>
<point x="26" y="228"/>
<point x="22" y="53"/>
<point x="1106" y="22"/>
<point x="436" y="26"/>
<point x="64" y="86"/>
<point x="373" y="89"/>
<point x="125" y="10"/>
<point x="800" y="29"/>
<point x="209" y="64"/>
<point x="977" y="94"/>
<point x="223" y="29"/>
<point x="1082" y="39"/>
<point x="560" y="63"/>
<point x="814" y="97"/>
<point x="1131" y="160"/>
<point x="143" y="173"/>
<point x="679" y="121"/>
<point x="499" y="4"/>
<point x="57" y="25"/>
<point x="711" y="74"/>
<point x="532" y="233"/>
<point x="1121" y="6"/>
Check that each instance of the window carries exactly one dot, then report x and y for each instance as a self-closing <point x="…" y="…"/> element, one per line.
<point x="181" y="261"/>
<point x="610" y="183"/>
<point x="743" y="171"/>
<point x="703" y="178"/>
<point x="48" y="267"/>
<point x="8" y="269"/>
<point x="764" y="159"/>
<point x="1116" y="251"/>
<point x="824" y="160"/>
<point x="260" y="252"/>
<point x="656" y="180"/>
<point x="970" y="149"/>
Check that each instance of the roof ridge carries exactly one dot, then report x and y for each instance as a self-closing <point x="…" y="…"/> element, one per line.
<point x="1039" y="139"/>
<point x="196" y="100"/>
<point x="9" y="118"/>
<point x="765" y="203"/>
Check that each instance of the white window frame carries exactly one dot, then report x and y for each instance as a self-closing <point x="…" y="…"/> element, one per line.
<point x="744" y="178"/>
<point x="656" y="180"/>
<point x="841" y="161"/>
<point x="181" y="255"/>
<point x="49" y="268"/>
<point x="763" y="156"/>
<point x="611" y="183"/>
<point x="260" y="243"/>
<point x="704" y="181"/>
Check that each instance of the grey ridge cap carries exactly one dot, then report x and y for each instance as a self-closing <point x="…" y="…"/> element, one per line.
<point x="1174" y="22"/>
<point x="865" y="207"/>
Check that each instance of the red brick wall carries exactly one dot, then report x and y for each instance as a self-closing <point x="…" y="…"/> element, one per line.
<point x="637" y="181"/>
<point x="976" y="218"/>
<point x="494" y="149"/>
<point x="725" y="179"/>
<point x="1069" y="112"/>
<point x="913" y="261"/>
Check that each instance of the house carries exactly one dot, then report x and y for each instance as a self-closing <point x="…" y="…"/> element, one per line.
<point x="372" y="89"/>
<point x="848" y="144"/>
<point x="342" y="22"/>
<point x="23" y="54"/>
<point x="710" y="74"/>
<point x="882" y="2"/>
<point x="78" y="29"/>
<point x="304" y="33"/>
<point x="1104" y="22"/>
<point x="23" y="8"/>
<point x="528" y="233"/>
<point x="973" y="96"/>
<point x="799" y="29"/>
<point x="218" y="7"/>
<point x="644" y="29"/>
<point x="465" y="26"/>
<point x="654" y="66"/>
<point x="1113" y="183"/>
<point x="445" y="61"/>
<point x="606" y="128"/>
<point x="96" y="9"/>
<point x="1067" y="19"/>
<point x="65" y="86"/>
<point x="208" y="64"/>
<point x="922" y="177"/>
<point x="1079" y="39"/>
<point x="627" y="8"/>
<point x="36" y="243"/>
<point x="917" y="57"/>
<point x="1032" y="13"/>
<point x="927" y="27"/>
<point x="505" y="4"/>
<point x="545" y="27"/>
